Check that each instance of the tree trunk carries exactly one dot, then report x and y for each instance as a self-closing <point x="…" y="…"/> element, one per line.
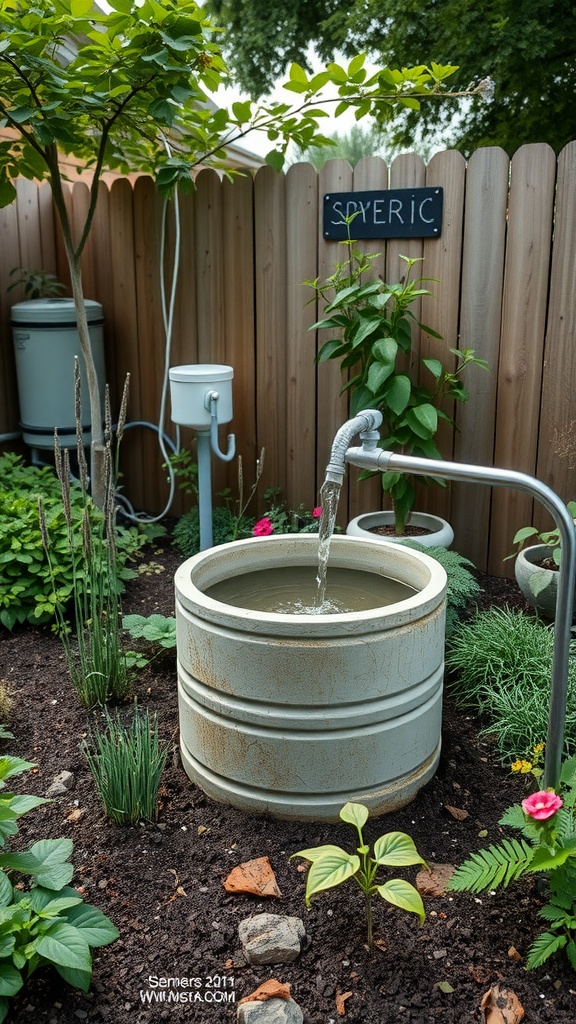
<point x="97" y="460"/>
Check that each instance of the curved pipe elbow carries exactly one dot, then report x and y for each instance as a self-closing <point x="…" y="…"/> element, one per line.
<point x="368" y="420"/>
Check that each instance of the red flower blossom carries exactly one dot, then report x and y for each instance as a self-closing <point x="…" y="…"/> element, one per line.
<point x="263" y="527"/>
<point x="541" y="805"/>
<point x="317" y="512"/>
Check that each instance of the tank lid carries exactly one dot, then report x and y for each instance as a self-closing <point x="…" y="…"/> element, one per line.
<point x="51" y="311"/>
<point x="201" y="373"/>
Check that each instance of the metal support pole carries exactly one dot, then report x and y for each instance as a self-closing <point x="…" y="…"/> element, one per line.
<point x="204" y="489"/>
<point x="378" y="459"/>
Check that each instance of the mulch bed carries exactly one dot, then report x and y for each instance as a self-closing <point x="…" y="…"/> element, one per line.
<point x="162" y="884"/>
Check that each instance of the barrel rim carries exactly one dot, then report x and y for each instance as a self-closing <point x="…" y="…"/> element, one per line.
<point x="417" y="606"/>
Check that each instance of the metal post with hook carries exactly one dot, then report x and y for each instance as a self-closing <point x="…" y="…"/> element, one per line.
<point x="201" y="395"/>
<point x="207" y="443"/>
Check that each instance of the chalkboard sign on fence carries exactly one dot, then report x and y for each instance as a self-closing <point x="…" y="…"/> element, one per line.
<point x="392" y="213"/>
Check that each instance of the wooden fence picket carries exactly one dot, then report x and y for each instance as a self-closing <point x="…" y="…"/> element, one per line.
<point x="505" y="287"/>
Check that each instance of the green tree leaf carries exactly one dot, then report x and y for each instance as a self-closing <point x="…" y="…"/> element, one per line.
<point x="10" y="980"/>
<point x="65" y="945"/>
<point x="354" y="814"/>
<point x="402" y="894"/>
<point x="330" y="871"/>
<point x="95" y="927"/>
<point x="395" y="849"/>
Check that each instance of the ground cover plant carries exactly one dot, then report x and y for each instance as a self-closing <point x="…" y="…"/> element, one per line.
<point x="26" y="590"/>
<point x="161" y="883"/>
<point x="500" y="662"/>
<point x="44" y="921"/>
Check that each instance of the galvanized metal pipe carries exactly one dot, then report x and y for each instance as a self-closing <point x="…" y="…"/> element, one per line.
<point x="379" y="459"/>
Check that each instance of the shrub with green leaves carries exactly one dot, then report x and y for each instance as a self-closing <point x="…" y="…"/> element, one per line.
<point x="501" y="666"/>
<point x="48" y="922"/>
<point x="548" y="825"/>
<point x="127" y="763"/>
<point x="462" y="586"/>
<point x="27" y="593"/>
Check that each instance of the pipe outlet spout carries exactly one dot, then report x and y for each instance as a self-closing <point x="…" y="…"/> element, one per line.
<point x="365" y="423"/>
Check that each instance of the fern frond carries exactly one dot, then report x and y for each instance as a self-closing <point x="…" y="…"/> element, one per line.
<point x="487" y="869"/>
<point x="514" y="817"/>
<point x="544" y="947"/>
<point x="553" y="914"/>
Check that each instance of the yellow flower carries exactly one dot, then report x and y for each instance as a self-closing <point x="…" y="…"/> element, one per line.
<point x="516" y="766"/>
<point x="526" y="767"/>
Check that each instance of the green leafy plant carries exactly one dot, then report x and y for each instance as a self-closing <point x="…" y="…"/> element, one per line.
<point x="331" y="866"/>
<point x="500" y="664"/>
<point x="229" y="521"/>
<point x="550" y="538"/>
<point x="157" y="629"/>
<point x="127" y="763"/>
<point x="462" y="586"/>
<point x="37" y="283"/>
<point x="186" y="470"/>
<point x="31" y="591"/>
<point x="373" y="322"/>
<point x="547" y="823"/>
<point x="48" y="922"/>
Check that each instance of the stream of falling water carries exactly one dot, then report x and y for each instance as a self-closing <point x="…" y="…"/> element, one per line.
<point x="329" y="495"/>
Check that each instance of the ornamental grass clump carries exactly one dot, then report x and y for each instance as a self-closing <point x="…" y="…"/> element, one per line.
<point x="501" y="665"/>
<point x="127" y="762"/>
<point x="93" y="642"/>
<point x="548" y="847"/>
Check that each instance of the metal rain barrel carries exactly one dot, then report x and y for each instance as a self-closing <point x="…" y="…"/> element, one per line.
<point x="45" y="343"/>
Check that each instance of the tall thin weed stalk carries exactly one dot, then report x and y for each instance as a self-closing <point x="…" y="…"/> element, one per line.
<point x="127" y="763"/>
<point x="93" y="642"/>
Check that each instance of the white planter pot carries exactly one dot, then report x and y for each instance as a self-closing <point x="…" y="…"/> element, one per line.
<point x="542" y="597"/>
<point x="297" y="714"/>
<point x="441" y="534"/>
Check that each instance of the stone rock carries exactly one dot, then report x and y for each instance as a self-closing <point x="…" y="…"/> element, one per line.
<point x="271" y="938"/>
<point x="273" y="1011"/>
<point x="433" y="882"/>
<point x="61" y="784"/>
<point x="56" y="789"/>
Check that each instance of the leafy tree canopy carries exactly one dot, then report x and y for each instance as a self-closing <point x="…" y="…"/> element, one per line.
<point x="526" y="48"/>
<point x="111" y="87"/>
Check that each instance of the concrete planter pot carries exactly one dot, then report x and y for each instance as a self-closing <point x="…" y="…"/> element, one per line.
<point x="538" y="585"/>
<point x="297" y="714"/>
<point x="441" y="533"/>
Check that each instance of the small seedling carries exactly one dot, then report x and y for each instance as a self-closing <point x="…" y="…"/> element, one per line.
<point x="331" y="865"/>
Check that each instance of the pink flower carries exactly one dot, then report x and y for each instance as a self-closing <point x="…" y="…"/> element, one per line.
<point x="263" y="527"/>
<point x="317" y="512"/>
<point x="541" y="805"/>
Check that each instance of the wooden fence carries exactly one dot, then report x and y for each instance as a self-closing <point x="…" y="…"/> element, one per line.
<point x="505" y="266"/>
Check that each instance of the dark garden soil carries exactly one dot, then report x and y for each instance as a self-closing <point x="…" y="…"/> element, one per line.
<point x="162" y="884"/>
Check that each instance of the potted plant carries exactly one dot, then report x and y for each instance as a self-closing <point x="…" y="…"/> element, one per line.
<point x="374" y="324"/>
<point x="536" y="567"/>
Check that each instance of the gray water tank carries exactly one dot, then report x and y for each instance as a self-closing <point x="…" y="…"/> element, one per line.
<point x="45" y="343"/>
